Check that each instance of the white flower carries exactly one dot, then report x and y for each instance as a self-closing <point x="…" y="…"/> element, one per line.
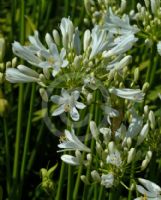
<point x="53" y="59"/>
<point x="38" y="55"/>
<point x="116" y="25"/>
<point x="114" y="158"/>
<point x="25" y="53"/>
<point x="68" y="103"/>
<point x="72" y="143"/>
<point x="150" y="190"/>
<point x="121" y="45"/>
<point x="107" y="180"/>
<point x="100" y="41"/>
<point x="135" y="95"/>
<point x="118" y="64"/>
<point x="135" y="125"/>
<point x="110" y="113"/>
<point x="22" y="74"/>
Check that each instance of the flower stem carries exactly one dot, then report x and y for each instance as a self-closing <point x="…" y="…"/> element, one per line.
<point x="131" y="179"/>
<point x="101" y="191"/>
<point x="7" y="151"/>
<point x="27" y="139"/>
<point x="60" y="183"/>
<point x="19" y="117"/>
<point x="34" y="151"/>
<point x="78" y="180"/>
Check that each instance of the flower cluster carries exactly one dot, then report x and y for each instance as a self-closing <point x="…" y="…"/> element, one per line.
<point x="114" y="151"/>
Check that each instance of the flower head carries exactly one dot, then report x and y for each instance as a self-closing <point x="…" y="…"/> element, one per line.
<point x="68" y="103"/>
<point x="72" y="143"/>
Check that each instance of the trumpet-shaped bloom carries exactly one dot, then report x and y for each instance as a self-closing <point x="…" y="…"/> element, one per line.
<point x="72" y="143"/>
<point x="121" y="45"/>
<point x="38" y="55"/>
<point x="150" y="190"/>
<point x="100" y="41"/>
<point x="135" y="95"/>
<point x="116" y="25"/>
<point x="68" y="103"/>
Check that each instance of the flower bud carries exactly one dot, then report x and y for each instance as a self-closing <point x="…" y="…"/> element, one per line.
<point x="89" y="157"/>
<point x="43" y="94"/>
<point x="94" y="130"/>
<point x="146" y="109"/>
<point x="144" y="164"/>
<point x="86" y="39"/>
<point x="14" y="62"/>
<point x="85" y="180"/>
<point x="143" y="134"/>
<point x="152" y="119"/>
<point x="56" y="37"/>
<point x="136" y="74"/>
<point x="146" y="3"/>
<point x="145" y="87"/>
<point x="148" y="155"/>
<point x="3" y="107"/>
<point x="123" y="5"/>
<point x="95" y="175"/>
<point x="131" y="155"/>
<point x="111" y="147"/>
<point x="8" y="64"/>
<point x="2" y="49"/>
<point x="48" y="39"/>
<point x="129" y="142"/>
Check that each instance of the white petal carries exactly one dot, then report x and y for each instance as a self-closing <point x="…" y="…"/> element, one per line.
<point x="75" y="94"/>
<point x="80" y="105"/>
<point x="74" y="114"/>
<point x="70" y="159"/>
<point x="152" y="187"/>
<point x="57" y="99"/>
<point x="58" y="111"/>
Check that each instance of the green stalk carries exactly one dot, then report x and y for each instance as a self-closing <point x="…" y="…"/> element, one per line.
<point x="34" y="151"/>
<point x="17" y="143"/>
<point x="96" y="118"/>
<point x="61" y="180"/>
<point x="69" y="186"/>
<point x="66" y="7"/>
<point x="101" y="191"/>
<point x="149" y="70"/>
<point x="27" y="139"/>
<point x="20" y="108"/>
<point x="78" y="180"/>
<point x="131" y="179"/>
<point x="7" y="151"/>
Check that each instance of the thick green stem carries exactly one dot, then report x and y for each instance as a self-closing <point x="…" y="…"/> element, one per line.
<point x="27" y="139"/>
<point x="34" y="151"/>
<point x="7" y="153"/>
<point x="61" y="180"/>
<point x="19" y="117"/>
<point x="69" y="187"/>
<point x="101" y="191"/>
